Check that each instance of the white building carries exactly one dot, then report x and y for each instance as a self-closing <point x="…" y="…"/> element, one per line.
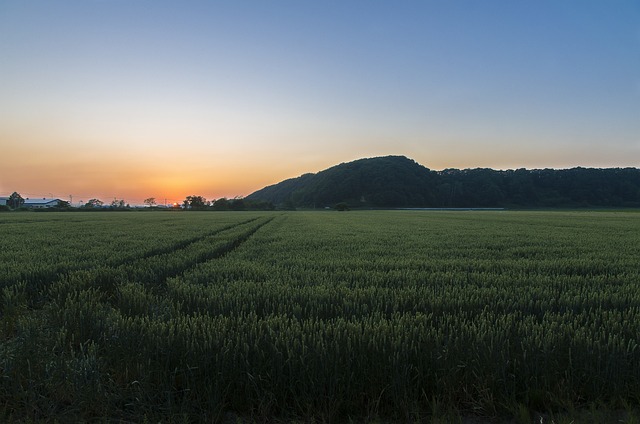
<point x="41" y="203"/>
<point x="3" y="201"/>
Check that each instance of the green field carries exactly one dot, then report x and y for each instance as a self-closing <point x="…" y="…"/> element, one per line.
<point x="325" y="316"/>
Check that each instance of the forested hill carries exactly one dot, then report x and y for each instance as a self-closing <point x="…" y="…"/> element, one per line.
<point x="397" y="181"/>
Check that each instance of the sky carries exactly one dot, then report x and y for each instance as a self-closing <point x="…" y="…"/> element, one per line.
<point x="131" y="99"/>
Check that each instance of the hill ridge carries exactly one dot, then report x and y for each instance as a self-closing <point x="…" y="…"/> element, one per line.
<point x="398" y="181"/>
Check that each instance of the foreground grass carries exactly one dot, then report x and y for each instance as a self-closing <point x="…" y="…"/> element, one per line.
<point x="320" y="316"/>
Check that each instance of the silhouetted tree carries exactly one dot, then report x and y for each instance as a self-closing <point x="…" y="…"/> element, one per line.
<point x="15" y="200"/>
<point x="195" y="202"/>
<point x="221" y="204"/>
<point x="118" y="204"/>
<point x="94" y="203"/>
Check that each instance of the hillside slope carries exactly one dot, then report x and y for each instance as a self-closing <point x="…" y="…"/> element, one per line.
<point x="383" y="181"/>
<point x="397" y="181"/>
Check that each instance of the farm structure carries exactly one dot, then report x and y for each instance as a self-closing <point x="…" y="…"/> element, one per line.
<point x="41" y="203"/>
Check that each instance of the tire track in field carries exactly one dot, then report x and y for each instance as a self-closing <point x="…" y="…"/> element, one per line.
<point x="37" y="285"/>
<point x="153" y="271"/>
<point x="148" y="298"/>
<point x="216" y="253"/>
<point x="39" y="278"/>
<point x="180" y="245"/>
<point x="233" y="245"/>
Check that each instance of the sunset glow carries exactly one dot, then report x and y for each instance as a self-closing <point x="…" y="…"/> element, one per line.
<point x="157" y="98"/>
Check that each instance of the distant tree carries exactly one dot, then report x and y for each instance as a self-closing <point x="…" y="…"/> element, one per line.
<point x="94" y="203"/>
<point x="118" y="204"/>
<point x="63" y="204"/>
<point x="195" y="202"/>
<point x="221" y="204"/>
<point x="151" y="202"/>
<point x="15" y="200"/>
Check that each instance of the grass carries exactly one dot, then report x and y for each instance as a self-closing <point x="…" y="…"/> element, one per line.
<point x="387" y="316"/>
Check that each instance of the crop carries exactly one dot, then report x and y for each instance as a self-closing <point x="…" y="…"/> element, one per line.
<point x="317" y="315"/>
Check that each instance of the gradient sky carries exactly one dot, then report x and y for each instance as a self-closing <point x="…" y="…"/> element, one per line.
<point x="140" y="98"/>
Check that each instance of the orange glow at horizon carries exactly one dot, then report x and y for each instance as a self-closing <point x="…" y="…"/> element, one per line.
<point x="41" y="171"/>
<point x="171" y="174"/>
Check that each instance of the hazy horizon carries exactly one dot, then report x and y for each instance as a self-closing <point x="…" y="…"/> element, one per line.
<point x="165" y="99"/>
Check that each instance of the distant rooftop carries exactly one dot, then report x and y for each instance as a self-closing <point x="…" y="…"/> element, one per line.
<point x="39" y="201"/>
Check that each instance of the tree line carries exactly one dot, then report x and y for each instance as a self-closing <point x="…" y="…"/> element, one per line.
<point x="192" y="203"/>
<point x="224" y="204"/>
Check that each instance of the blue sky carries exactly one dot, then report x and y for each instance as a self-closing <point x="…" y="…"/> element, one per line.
<point x="139" y="98"/>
